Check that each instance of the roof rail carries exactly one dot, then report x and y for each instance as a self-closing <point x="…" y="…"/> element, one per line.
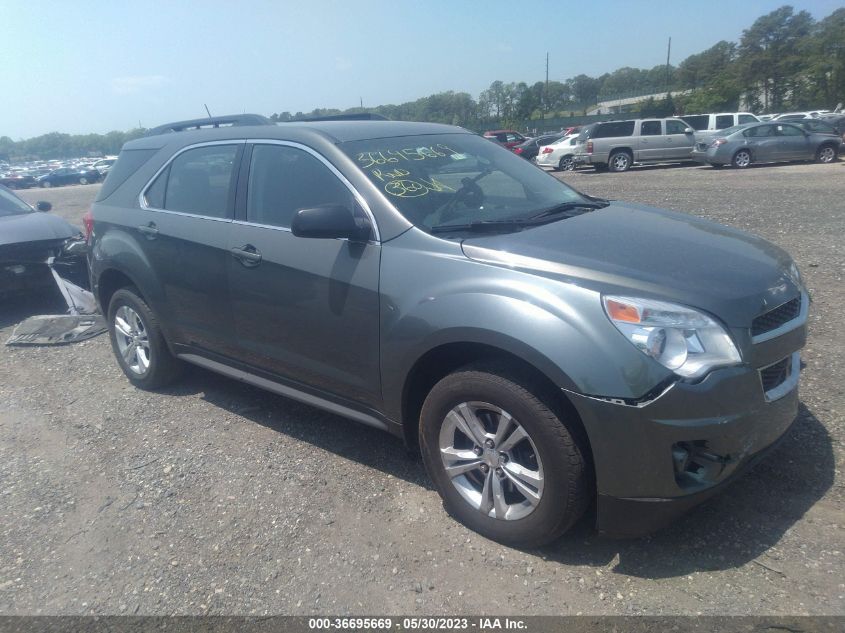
<point x="360" y="116"/>
<point x="210" y="122"/>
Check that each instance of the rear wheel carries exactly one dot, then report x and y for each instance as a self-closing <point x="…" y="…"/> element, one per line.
<point x="504" y="463"/>
<point x="826" y="154"/>
<point x="46" y="184"/>
<point x="741" y="159"/>
<point x="566" y="163"/>
<point x="83" y="181"/>
<point x="138" y="343"/>
<point x="620" y="161"/>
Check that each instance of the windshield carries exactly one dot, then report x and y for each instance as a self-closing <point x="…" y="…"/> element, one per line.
<point x="455" y="179"/>
<point x="10" y="204"/>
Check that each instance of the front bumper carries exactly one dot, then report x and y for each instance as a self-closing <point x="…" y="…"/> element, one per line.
<point x="656" y="460"/>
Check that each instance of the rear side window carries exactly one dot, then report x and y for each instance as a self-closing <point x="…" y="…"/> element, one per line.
<point x="283" y="180"/>
<point x="650" y="128"/>
<point x="127" y="164"/>
<point x="698" y="121"/>
<point x="724" y="121"/>
<point x="759" y="131"/>
<point x="197" y="181"/>
<point x="615" y="128"/>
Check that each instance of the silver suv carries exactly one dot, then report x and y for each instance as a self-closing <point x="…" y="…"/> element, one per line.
<point x="616" y="145"/>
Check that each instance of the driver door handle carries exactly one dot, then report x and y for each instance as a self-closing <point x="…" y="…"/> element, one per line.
<point x="247" y="255"/>
<point x="150" y="230"/>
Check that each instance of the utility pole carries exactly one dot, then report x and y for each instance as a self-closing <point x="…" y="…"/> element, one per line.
<point x="546" y="88"/>
<point x="362" y="102"/>
<point x="668" y="52"/>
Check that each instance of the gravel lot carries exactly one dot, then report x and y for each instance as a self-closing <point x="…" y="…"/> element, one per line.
<point x="215" y="497"/>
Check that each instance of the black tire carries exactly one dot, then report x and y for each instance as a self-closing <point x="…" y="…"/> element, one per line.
<point x="742" y="159"/>
<point x="620" y="161"/>
<point x="566" y="163"/>
<point x="565" y="468"/>
<point x="163" y="368"/>
<point x="83" y="181"/>
<point x="826" y="154"/>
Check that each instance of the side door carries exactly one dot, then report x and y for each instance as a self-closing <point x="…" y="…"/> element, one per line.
<point x="304" y="309"/>
<point x="650" y="143"/>
<point x="793" y="143"/>
<point x="763" y="142"/>
<point x="188" y="212"/>
<point x="679" y="144"/>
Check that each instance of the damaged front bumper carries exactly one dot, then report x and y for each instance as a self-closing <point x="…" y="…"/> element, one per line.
<point x="657" y="459"/>
<point x="23" y="266"/>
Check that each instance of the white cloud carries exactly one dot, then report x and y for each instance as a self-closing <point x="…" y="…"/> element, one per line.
<point x="137" y="83"/>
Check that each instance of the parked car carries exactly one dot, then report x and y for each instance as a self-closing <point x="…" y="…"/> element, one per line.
<point x="559" y="155"/>
<point x="103" y="165"/>
<point x="545" y="349"/>
<point x="817" y="125"/>
<point x="767" y="142"/>
<point x="617" y="145"/>
<point x="17" y="180"/>
<point x="529" y="148"/>
<point x="27" y="238"/>
<point x="837" y="121"/>
<point x="797" y="116"/>
<point x="69" y="176"/>
<point x="507" y="138"/>
<point x="707" y="126"/>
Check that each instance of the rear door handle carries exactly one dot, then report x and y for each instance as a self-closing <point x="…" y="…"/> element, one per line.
<point x="150" y="230"/>
<point x="247" y="255"/>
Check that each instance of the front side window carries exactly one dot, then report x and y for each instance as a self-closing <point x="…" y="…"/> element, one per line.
<point x="650" y="128"/>
<point x="675" y="127"/>
<point x="698" y="121"/>
<point x="789" y="130"/>
<point x="455" y="179"/>
<point x="760" y="131"/>
<point x="197" y="181"/>
<point x="724" y="121"/>
<point x="283" y="180"/>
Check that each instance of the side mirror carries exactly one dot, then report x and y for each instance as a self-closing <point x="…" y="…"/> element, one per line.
<point x="332" y="221"/>
<point x="689" y="130"/>
<point x="43" y="206"/>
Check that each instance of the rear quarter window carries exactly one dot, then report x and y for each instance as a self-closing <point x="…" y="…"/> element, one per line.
<point x="614" y="128"/>
<point x="127" y="164"/>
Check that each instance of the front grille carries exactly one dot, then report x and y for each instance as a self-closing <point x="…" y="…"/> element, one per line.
<point x="773" y="319"/>
<point x="775" y="375"/>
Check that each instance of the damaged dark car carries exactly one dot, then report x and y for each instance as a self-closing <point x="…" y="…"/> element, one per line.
<point x="29" y="237"/>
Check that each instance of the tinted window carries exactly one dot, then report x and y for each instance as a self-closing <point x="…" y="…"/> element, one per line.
<point x="650" y="128"/>
<point x="283" y="180"/>
<point x="616" y="128"/>
<point x="200" y="180"/>
<point x="154" y="196"/>
<point x="747" y="118"/>
<point x="675" y="127"/>
<point x="10" y="204"/>
<point x="817" y="126"/>
<point x="698" y="121"/>
<point x="127" y="164"/>
<point x="724" y="121"/>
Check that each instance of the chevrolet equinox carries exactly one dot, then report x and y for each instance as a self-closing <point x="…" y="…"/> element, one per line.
<point x="546" y="350"/>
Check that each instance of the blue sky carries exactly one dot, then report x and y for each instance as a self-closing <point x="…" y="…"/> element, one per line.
<point x="97" y="66"/>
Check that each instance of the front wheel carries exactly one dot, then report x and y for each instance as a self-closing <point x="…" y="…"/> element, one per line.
<point x="138" y="343"/>
<point x="46" y="184"/>
<point x="826" y="154"/>
<point x="505" y="464"/>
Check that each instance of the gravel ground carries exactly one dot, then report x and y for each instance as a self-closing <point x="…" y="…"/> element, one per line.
<point x="215" y="497"/>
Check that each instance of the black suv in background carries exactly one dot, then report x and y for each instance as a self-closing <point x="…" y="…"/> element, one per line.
<point x="544" y="348"/>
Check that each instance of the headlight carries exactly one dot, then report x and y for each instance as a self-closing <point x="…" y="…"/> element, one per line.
<point x="684" y="340"/>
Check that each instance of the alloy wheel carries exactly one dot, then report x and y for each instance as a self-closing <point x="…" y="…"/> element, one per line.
<point x="742" y="159"/>
<point x="491" y="460"/>
<point x="826" y="155"/>
<point x="133" y="342"/>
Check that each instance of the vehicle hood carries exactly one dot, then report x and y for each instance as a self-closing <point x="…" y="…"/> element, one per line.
<point x="34" y="227"/>
<point x="639" y="250"/>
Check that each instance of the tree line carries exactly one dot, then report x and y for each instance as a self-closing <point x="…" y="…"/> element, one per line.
<point x="786" y="60"/>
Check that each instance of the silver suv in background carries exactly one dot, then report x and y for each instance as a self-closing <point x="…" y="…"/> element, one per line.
<point x="616" y="145"/>
<point x="708" y="126"/>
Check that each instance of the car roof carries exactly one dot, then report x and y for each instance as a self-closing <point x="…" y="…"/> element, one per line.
<point x="334" y="131"/>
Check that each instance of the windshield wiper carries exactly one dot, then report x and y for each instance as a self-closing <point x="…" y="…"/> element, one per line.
<point x="561" y="209"/>
<point x="481" y="226"/>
